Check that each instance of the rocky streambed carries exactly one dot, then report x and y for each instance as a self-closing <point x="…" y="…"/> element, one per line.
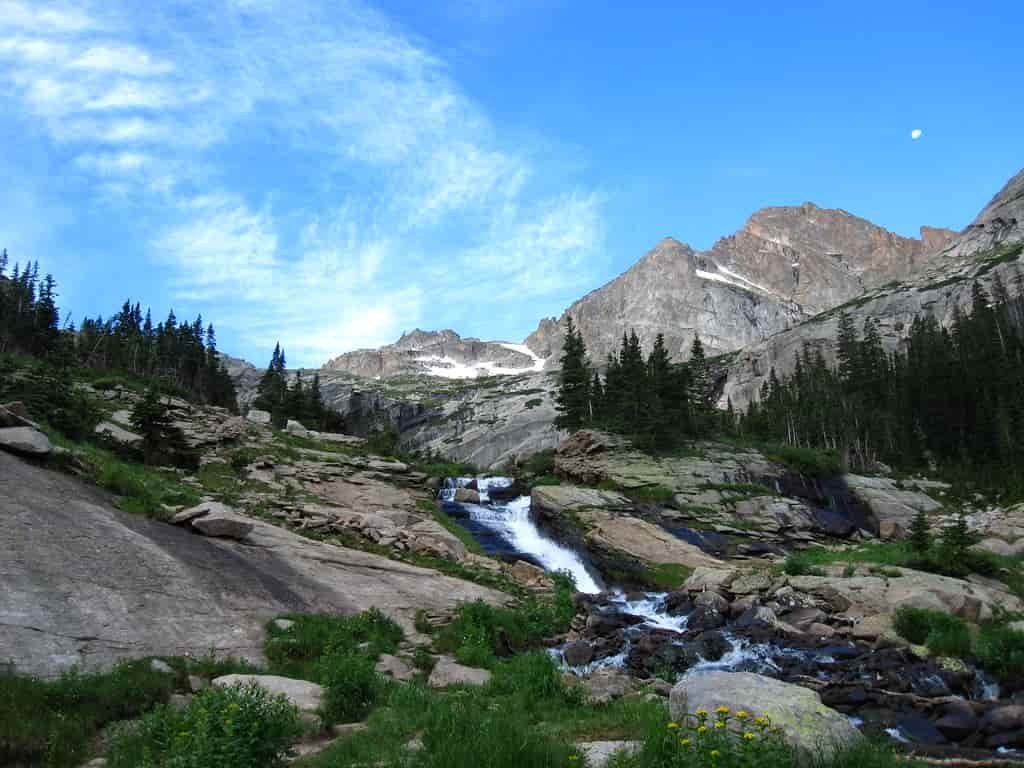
<point x="815" y="631"/>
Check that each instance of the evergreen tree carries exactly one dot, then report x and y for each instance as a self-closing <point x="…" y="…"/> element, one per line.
<point x="160" y="438"/>
<point x="572" y="399"/>
<point x="919" y="537"/>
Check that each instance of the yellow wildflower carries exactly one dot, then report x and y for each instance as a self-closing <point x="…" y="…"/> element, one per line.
<point x="762" y="721"/>
<point x="742" y="714"/>
<point x="719" y="725"/>
<point x="673" y="725"/>
<point x="723" y="710"/>
<point x="748" y="736"/>
<point x="701" y="712"/>
<point x="714" y="753"/>
<point x="702" y="729"/>
<point x="685" y="742"/>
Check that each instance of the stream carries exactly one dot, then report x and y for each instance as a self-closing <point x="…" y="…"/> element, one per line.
<point x="659" y="634"/>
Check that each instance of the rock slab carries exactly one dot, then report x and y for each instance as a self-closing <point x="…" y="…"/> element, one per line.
<point x="303" y="694"/>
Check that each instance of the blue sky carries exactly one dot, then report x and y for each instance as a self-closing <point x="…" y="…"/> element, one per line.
<point x="332" y="173"/>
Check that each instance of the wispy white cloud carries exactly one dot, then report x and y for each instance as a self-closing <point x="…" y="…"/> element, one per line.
<point x="411" y="178"/>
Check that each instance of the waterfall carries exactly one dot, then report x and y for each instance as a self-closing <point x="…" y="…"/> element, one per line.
<point x="512" y="522"/>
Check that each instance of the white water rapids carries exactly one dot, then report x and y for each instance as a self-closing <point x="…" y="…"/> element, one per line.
<point x="511" y="520"/>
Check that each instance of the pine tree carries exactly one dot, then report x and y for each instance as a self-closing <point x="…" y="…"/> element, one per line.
<point x="957" y="539"/>
<point x="151" y="420"/>
<point x="919" y="537"/>
<point x="572" y="399"/>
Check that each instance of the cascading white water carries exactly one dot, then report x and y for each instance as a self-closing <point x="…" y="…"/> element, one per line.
<point x="512" y="521"/>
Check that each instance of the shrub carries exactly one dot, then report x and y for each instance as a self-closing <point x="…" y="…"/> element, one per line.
<point x="806" y="461"/>
<point x="296" y="652"/>
<point x="464" y="734"/>
<point x="1000" y="650"/>
<point x="234" y="727"/>
<point x="352" y="686"/>
<point x="481" y="632"/>
<point x="51" y="723"/>
<point x="656" y="493"/>
<point x="541" y="463"/>
<point x="801" y="565"/>
<point x="50" y="396"/>
<point x="943" y="633"/>
<point x="382" y="442"/>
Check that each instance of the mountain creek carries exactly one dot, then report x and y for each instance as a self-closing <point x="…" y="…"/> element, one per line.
<point x="790" y="629"/>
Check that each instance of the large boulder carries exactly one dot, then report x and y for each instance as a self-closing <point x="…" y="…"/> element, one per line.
<point x="225" y="525"/>
<point x="212" y="518"/>
<point x="256" y="416"/>
<point x="306" y="696"/>
<point x="805" y="722"/>
<point x="295" y="428"/>
<point x="643" y="541"/>
<point x="466" y="496"/>
<point x="893" y="504"/>
<point x="446" y="672"/>
<point x="25" y="440"/>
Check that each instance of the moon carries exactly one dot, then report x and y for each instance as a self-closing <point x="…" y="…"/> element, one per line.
<point x="916" y="134"/>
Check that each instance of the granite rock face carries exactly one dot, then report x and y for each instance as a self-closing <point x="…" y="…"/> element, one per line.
<point x="785" y="265"/>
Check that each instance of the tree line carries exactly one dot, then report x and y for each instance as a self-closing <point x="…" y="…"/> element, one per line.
<point x="179" y="355"/>
<point x="299" y="401"/>
<point x="948" y="397"/>
<point x="657" y="403"/>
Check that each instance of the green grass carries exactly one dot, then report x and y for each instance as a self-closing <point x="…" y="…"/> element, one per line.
<point x="298" y="650"/>
<point x="943" y="633"/>
<point x="1000" y="650"/>
<point x="668" y="575"/>
<point x="805" y="461"/>
<point x="532" y="403"/>
<point x="658" y="494"/>
<point x="53" y="723"/>
<point x="539" y="464"/>
<point x="480" y="633"/>
<point x="142" y="490"/>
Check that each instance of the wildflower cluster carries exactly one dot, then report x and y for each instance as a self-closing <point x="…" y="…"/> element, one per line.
<point x="722" y="739"/>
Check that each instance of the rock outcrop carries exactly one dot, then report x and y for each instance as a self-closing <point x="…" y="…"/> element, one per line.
<point x="86" y="584"/>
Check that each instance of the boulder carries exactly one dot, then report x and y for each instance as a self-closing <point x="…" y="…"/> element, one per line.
<point x="805" y="722"/>
<point x="604" y="685"/>
<point x="466" y="496"/>
<point x="578" y="653"/>
<point x="256" y="416"/>
<point x="25" y="440"/>
<point x="447" y="672"/>
<point x="703" y="578"/>
<point x="394" y="667"/>
<point x="304" y="695"/>
<point x="111" y="432"/>
<point x="221" y="523"/>
<point x="892" y="504"/>
<point x="15" y="415"/>
<point x="599" y="753"/>
<point x="958" y="721"/>
<point x="295" y="428"/>
<point x="530" y="576"/>
<point x="642" y="540"/>
<point x="429" y="537"/>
